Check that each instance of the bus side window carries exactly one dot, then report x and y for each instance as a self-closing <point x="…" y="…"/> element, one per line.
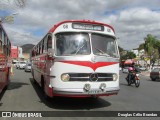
<point x="0" y="40"/>
<point x="42" y="46"/>
<point x="39" y="48"/>
<point x="49" y="42"/>
<point x="45" y="45"/>
<point x="0" y="46"/>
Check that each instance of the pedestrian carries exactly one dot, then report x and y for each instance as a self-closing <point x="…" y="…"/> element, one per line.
<point x="11" y="70"/>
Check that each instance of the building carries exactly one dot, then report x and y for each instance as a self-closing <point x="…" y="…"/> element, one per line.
<point x="141" y="52"/>
<point x="16" y="53"/>
<point x="20" y="50"/>
<point x="26" y="56"/>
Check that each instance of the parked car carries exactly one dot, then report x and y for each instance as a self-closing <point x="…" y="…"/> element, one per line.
<point x="155" y="66"/>
<point x="155" y="74"/>
<point x="20" y="65"/>
<point x="125" y="70"/>
<point x="120" y="68"/>
<point x="16" y="65"/>
<point x="14" y="62"/>
<point x="27" y="67"/>
<point x="142" y="68"/>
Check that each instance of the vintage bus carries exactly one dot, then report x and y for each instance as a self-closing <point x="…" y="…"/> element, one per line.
<point x="77" y="58"/>
<point x="5" y="60"/>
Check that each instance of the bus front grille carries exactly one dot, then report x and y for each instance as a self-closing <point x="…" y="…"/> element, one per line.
<point x="94" y="77"/>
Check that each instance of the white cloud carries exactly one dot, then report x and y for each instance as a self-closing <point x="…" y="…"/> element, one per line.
<point x="132" y="20"/>
<point x="20" y="37"/>
<point x="133" y="24"/>
<point x="139" y="16"/>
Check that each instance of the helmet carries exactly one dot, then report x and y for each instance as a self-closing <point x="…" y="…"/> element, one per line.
<point x="130" y="68"/>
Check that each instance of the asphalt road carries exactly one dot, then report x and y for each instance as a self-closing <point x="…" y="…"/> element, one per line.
<point x="23" y="95"/>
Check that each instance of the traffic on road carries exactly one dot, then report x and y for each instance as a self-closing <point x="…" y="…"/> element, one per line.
<point x="79" y="59"/>
<point x="23" y="94"/>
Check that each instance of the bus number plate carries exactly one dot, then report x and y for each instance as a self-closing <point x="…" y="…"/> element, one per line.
<point x="94" y="91"/>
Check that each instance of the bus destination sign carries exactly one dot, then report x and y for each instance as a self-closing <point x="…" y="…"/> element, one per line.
<point x="87" y="27"/>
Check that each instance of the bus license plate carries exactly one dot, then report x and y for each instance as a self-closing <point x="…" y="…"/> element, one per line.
<point x="94" y="91"/>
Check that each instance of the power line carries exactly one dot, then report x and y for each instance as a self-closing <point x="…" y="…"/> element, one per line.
<point x="12" y="4"/>
<point x="20" y="3"/>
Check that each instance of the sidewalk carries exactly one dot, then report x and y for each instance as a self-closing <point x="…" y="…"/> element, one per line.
<point x="145" y="73"/>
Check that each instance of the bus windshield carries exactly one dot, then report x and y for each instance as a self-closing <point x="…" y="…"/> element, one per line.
<point x="72" y="44"/>
<point x="68" y="44"/>
<point x="104" y="45"/>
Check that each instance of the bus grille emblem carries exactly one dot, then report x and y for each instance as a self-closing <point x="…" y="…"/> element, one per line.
<point x="94" y="77"/>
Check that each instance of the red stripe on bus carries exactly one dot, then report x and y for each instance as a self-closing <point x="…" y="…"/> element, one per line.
<point x="94" y="66"/>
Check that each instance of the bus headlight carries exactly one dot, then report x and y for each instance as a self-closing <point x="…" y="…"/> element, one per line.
<point x="115" y="77"/>
<point x="65" y="77"/>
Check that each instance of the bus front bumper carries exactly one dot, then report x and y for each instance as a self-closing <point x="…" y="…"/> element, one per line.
<point x="82" y="93"/>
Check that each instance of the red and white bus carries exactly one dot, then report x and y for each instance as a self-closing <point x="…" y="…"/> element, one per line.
<point x="77" y="58"/>
<point x="5" y="50"/>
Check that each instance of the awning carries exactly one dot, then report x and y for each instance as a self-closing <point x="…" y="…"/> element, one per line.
<point x="129" y="61"/>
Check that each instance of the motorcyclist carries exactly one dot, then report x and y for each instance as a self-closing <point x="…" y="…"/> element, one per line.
<point x="132" y="72"/>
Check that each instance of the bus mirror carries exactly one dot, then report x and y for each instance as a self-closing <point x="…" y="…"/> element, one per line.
<point x="50" y="52"/>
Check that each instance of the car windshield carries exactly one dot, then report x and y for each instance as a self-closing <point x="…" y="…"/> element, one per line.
<point x="72" y="44"/>
<point x="104" y="45"/>
<point x="22" y="63"/>
<point x="156" y="70"/>
<point x="29" y="64"/>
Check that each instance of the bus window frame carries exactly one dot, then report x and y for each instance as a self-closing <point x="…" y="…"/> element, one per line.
<point x="49" y="35"/>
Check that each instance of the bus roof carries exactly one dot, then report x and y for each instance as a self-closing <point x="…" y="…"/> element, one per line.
<point x="81" y="21"/>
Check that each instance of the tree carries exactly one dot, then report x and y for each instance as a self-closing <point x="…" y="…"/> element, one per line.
<point x="157" y="45"/>
<point x="120" y="49"/>
<point x="20" y="3"/>
<point x="141" y="46"/>
<point x="128" y="55"/>
<point x="151" y="48"/>
<point x="12" y="4"/>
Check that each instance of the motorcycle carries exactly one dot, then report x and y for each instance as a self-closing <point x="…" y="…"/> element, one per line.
<point x="134" y="79"/>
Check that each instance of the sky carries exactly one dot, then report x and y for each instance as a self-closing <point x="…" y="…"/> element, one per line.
<point x="131" y="19"/>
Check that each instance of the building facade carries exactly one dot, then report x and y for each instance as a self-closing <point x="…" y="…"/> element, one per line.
<point x="16" y="53"/>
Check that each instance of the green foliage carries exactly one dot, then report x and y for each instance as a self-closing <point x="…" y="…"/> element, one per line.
<point x="149" y="45"/>
<point x="128" y="55"/>
<point x="152" y="48"/>
<point x="120" y="49"/>
<point x="131" y="55"/>
<point x="141" y="46"/>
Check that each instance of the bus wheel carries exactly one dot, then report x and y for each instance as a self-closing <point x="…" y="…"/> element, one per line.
<point x="153" y="79"/>
<point x="7" y="79"/>
<point x="34" y="81"/>
<point x="43" y="89"/>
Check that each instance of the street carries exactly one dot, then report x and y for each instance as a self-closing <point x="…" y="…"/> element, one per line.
<point x="24" y="95"/>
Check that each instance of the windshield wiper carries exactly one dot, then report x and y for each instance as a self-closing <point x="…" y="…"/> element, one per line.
<point x="100" y="50"/>
<point x="79" y="49"/>
<point x="103" y="53"/>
